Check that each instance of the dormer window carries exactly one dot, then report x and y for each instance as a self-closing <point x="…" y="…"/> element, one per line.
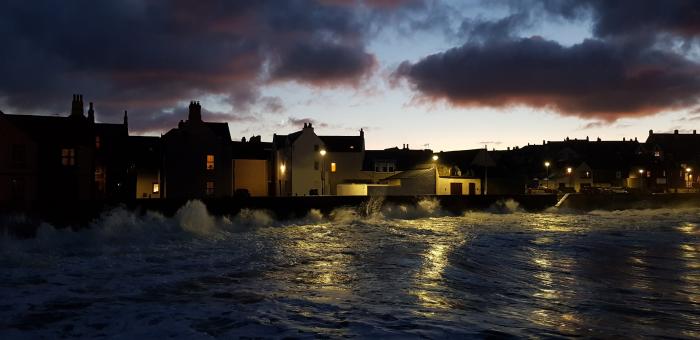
<point x="210" y="162"/>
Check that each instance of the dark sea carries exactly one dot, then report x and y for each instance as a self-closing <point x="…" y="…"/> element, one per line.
<point x="401" y="272"/>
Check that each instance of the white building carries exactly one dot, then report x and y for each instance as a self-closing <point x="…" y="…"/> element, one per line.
<point x="308" y="164"/>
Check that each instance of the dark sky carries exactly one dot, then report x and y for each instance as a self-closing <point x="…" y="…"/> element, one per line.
<point x="267" y="66"/>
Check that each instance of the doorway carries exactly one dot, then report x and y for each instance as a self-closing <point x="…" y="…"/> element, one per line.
<point x="455" y="188"/>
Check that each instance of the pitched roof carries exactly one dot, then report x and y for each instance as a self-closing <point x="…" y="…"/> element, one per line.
<point x="282" y="140"/>
<point x="404" y="159"/>
<point x="219" y="129"/>
<point x="680" y="147"/>
<point x="343" y="143"/>
<point x="145" y="151"/>
<point x="415" y="173"/>
<point x="53" y="129"/>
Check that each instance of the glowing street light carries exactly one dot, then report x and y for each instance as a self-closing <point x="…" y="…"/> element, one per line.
<point x="435" y="157"/>
<point x="688" y="169"/>
<point x="568" y="170"/>
<point x="323" y="171"/>
<point x="282" y="169"/>
<point x="546" y="165"/>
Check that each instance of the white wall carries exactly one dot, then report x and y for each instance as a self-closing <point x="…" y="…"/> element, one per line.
<point x="443" y="185"/>
<point x="303" y="175"/>
<point x="351" y="189"/>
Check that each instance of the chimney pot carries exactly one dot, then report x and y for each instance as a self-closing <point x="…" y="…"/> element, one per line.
<point x="651" y="132"/>
<point x="675" y="132"/>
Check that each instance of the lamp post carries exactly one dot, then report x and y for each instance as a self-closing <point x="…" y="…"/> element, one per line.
<point x="569" y="170"/>
<point x="546" y="165"/>
<point x="282" y="169"/>
<point x="689" y="177"/>
<point x="641" y="179"/>
<point x="323" y="171"/>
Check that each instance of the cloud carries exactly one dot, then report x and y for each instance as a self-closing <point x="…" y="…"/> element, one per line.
<point x="146" y="56"/>
<point x="625" y="18"/>
<point x="299" y="122"/>
<point x="594" y="79"/>
<point x="324" y="64"/>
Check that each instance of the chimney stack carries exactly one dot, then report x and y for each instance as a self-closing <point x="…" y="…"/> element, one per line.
<point x="651" y="132"/>
<point x="126" y="119"/>
<point x="195" y="112"/>
<point x="675" y="132"/>
<point x="77" y="109"/>
<point x="91" y="114"/>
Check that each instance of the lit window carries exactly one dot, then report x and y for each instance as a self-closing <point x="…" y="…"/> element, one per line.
<point x="210" y="188"/>
<point x="210" y="162"/>
<point x="657" y="153"/>
<point x="316" y="165"/>
<point x="333" y="167"/>
<point x="156" y="188"/>
<point x="68" y="157"/>
<point x="98" y="142"/>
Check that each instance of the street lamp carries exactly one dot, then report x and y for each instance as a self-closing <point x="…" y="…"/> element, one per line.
<point x="435" y="158"/>
<point x="282" y="169"/>
<point x="641" y="178"/>
<point x="323" y="171"/>
<point x="546" y="165"/>
<point x="571" y="180"/>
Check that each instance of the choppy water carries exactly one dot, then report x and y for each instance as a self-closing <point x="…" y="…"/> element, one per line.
<point x="408" y="272"/>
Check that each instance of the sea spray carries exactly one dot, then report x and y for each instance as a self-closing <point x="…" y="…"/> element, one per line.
<point x="194" y="217"/>
<point x="508" y="206"/>
<point x="425" y="207"/>
<point x="253" y="218"/>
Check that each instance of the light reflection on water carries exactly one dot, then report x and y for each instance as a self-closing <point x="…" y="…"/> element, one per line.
<point x="603" y="274"/>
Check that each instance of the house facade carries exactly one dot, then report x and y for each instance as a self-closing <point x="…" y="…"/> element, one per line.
<point x="57" y="158"/>
<point x="308" y="164"/>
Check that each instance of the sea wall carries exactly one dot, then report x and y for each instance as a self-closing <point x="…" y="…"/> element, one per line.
<point x="78" y="214"/>
<point x="588" y="202"/>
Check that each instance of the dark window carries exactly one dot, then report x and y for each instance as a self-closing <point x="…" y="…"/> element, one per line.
<point x="391" y="169"/>
<point x="315" y="147"/>
<point x="19" y="154"/>
<point x="210" y="188"/>
<point x="316" y="165"/>
<point x="17" y="189"/>
<point x="384" y="169"/>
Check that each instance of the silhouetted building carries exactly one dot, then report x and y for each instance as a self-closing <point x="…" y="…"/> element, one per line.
<point x="61" y="158"/>
<point x="197" y="158"/>
<point x="145" y="162"/>
<point x="673" y="160"/>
